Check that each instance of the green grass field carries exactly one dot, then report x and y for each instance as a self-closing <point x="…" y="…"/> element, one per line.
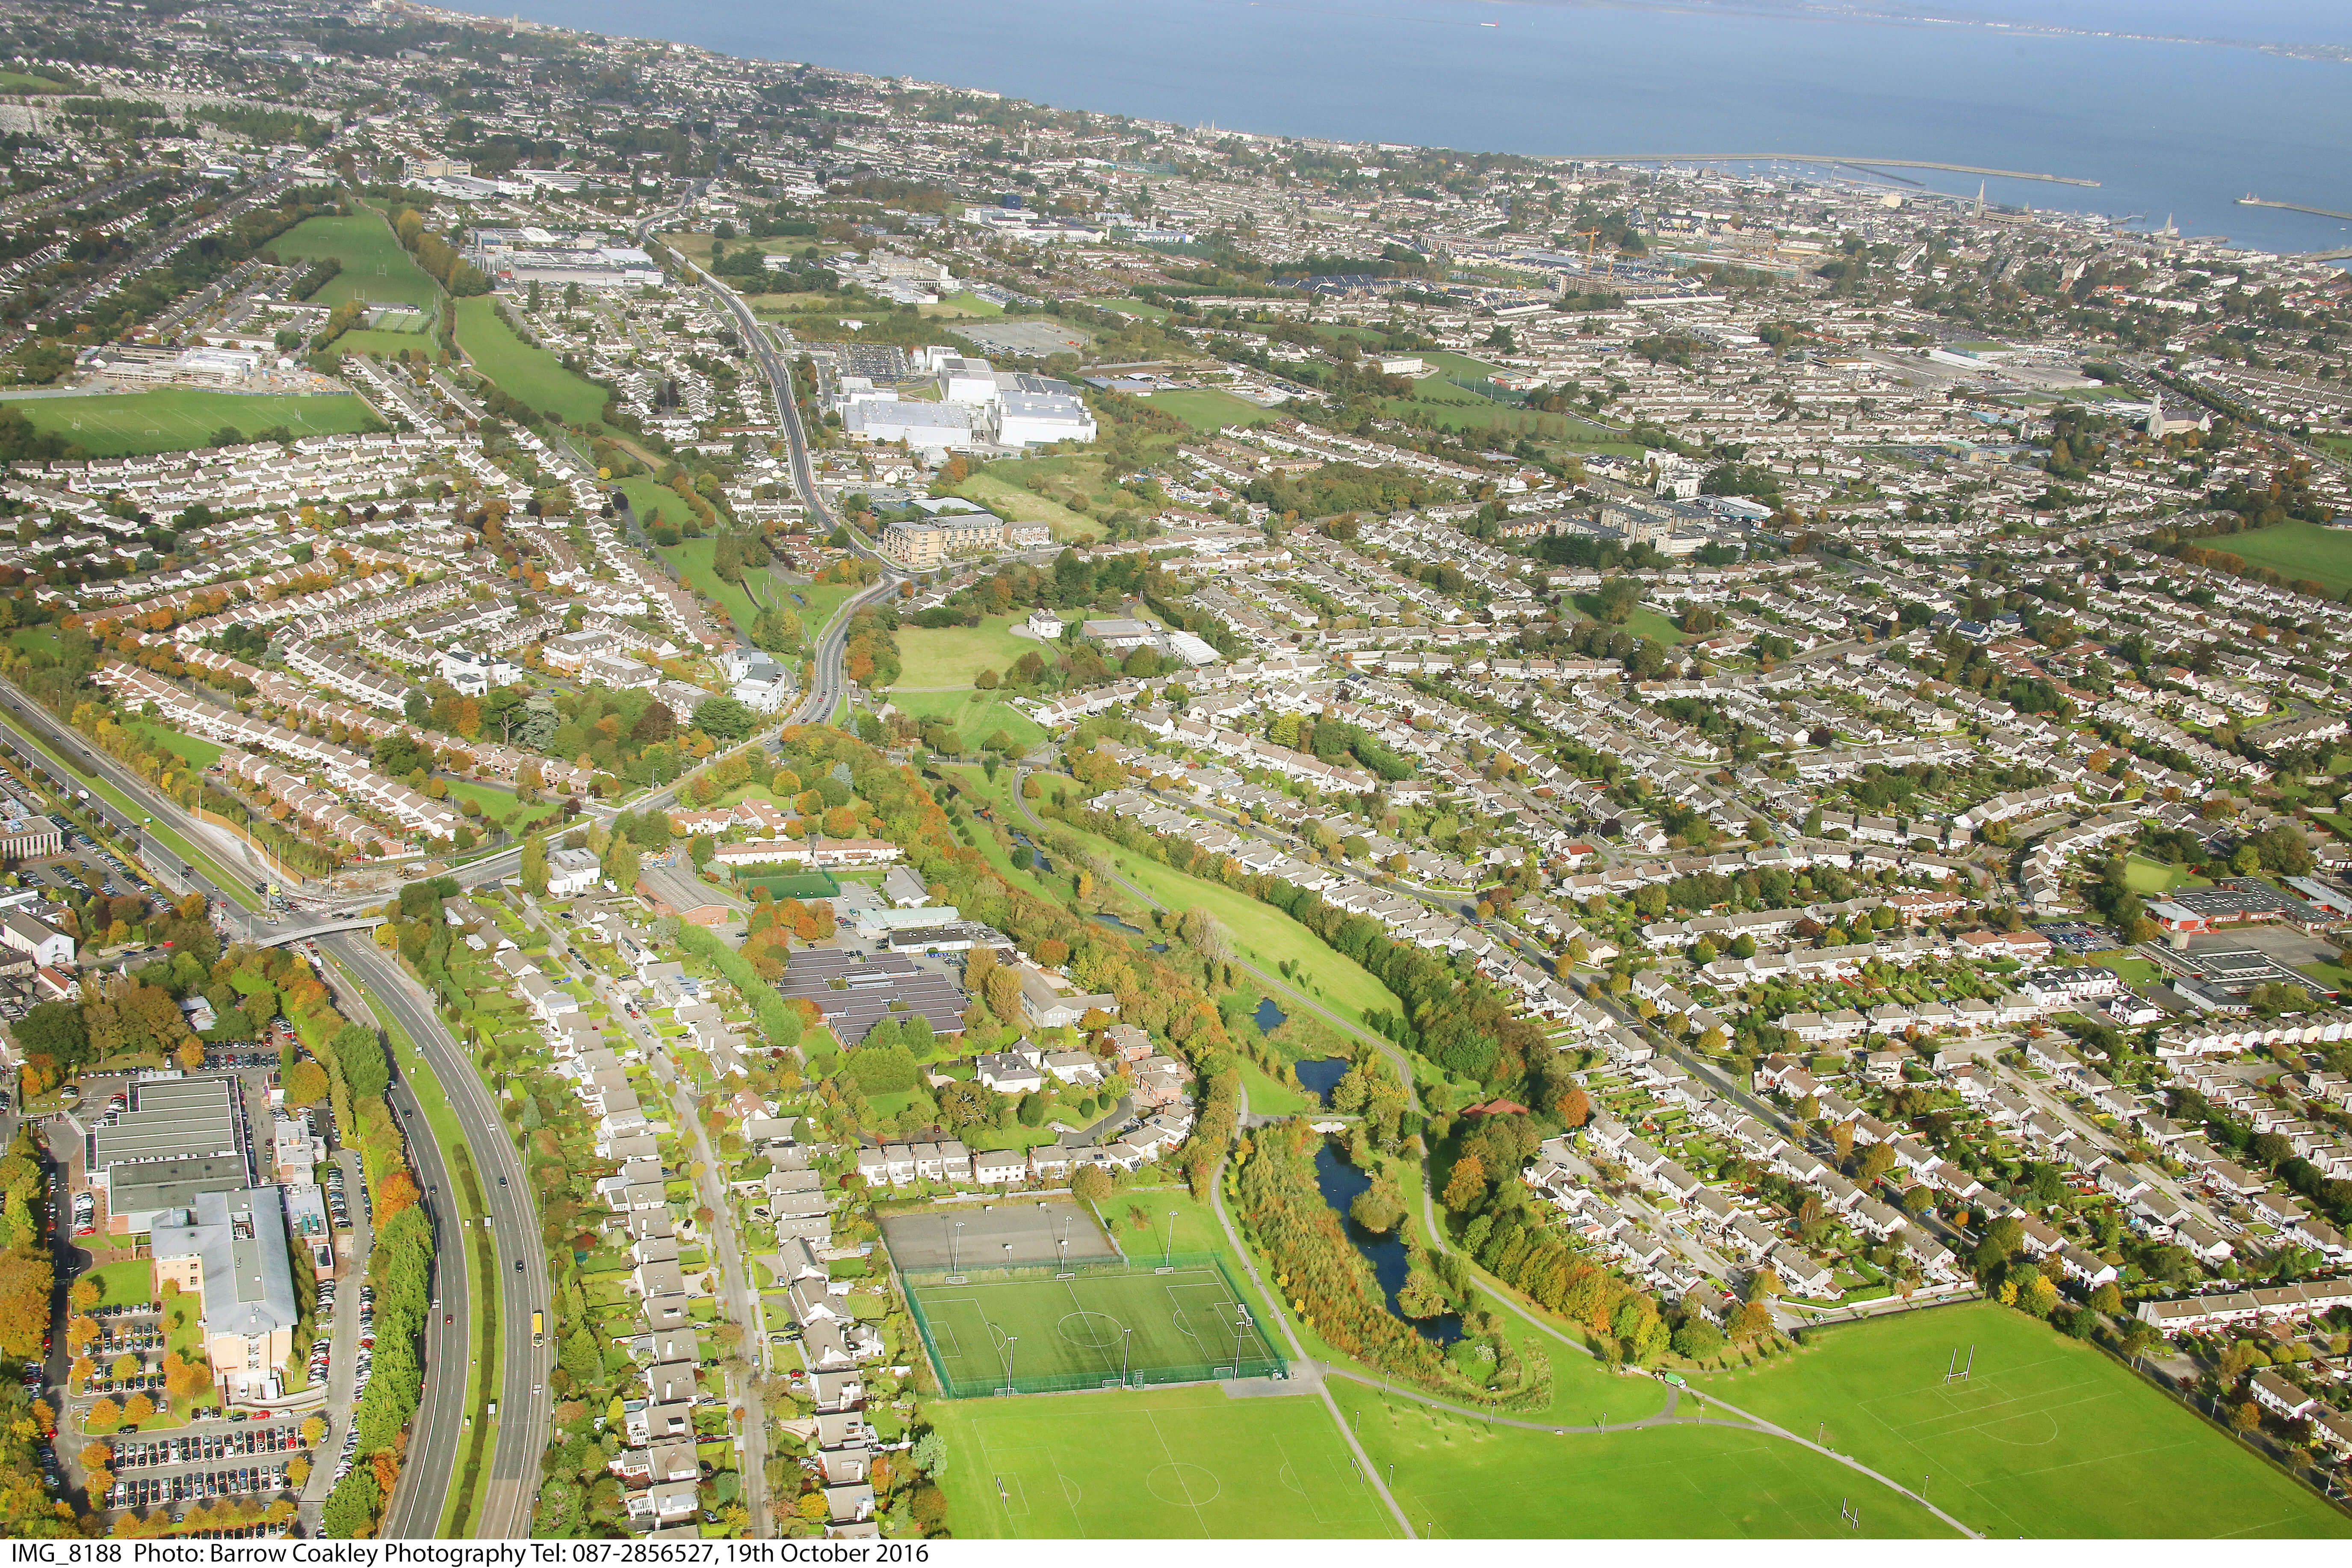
<point x="129" y="1283"/>
<point x="1268" y="1098"/>
<point x="946" y="658"/>
<point x="1458" y="1478"/>
<point x="2145" y="877"/>
<point x="976" y="715"/>
<point x="1645" y="622"/>
<point x="189" y="748"/>
<point x="2049" y="1438"/>
<point x="1085" y="1331"/>
<point x="1206" y="408"/>
<point x="375" y="266"/>
<point x="1175" y="1463"/>
<point x="693" y="559"/>
<point x="1262" y="934"/>
<point x="2296" y="550"/>
<point x="1010" y="501"/>
<point x="530" y="374"/>
<point x="183" y="419"/>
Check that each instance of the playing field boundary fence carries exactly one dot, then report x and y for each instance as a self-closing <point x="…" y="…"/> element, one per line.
<point x="1264" y="1361"/>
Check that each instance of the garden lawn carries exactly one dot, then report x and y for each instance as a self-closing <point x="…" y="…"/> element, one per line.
<point x="376" y="267"/>
<point x="530" y="374"/>
<point x="1205" y="409"/>
<point x="1178" y="1463"/>
<point x="2049" y="1438"/>
<point x="946" y="659"/>
<point x="2297" y="549"/>
<point x="1462" y="1479"/>
<point x="130" y="1283"/>
<point x="184" y="419"/>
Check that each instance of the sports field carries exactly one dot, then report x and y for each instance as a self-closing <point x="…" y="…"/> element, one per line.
<point x="2046" y="1438"/>
<point x="2295" y="549"/>
<point x="1458" y="1478"/>
<point x="375" y="266"/>
<point x="527" y="373"/>
<point x="1168" y="1464"/>
<point x="183" y="419"/>
<point x="1045" y="1332"/>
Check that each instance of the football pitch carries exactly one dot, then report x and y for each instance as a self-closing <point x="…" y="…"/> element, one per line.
<point x="2046" y="1437"/>
<point x="179" y="419"/>
<point x="1052" y="1332"/>
<point x="1166" y="1464"/>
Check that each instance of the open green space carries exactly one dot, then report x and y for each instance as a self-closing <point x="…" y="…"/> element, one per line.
<point x="1261" y="933"/>
<point x="1643" y="622"/>
<point x="189" y="748"/>
<point x="1206" y="408"/>
<point x="376" y="267"/>
<point x="2047" y="1437"/>
<point x="1126" y="306"/>
<point x="18" y="81"/>
<point x="948" y="657"/>
<point x="2145" y="877"/>
<point x="1268" y="1098"/>
<point x="1018" y="505"/>
<point x="815" y="602"/>
<point x="528" y="374"/>
<point x="1177" y="1463"/>
<point x="2296" y="550"/>
<point x="184" y="419"/>
<point x="965" y="304"/>
<point x="1458" y="1477"/>
<point x="694" y="559"/>
<point x="1050" y="1332"/>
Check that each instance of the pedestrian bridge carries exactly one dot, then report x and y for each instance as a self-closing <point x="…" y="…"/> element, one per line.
<point x="304" y="933"/>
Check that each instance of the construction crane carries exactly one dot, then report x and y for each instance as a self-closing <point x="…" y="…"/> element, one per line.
<point x="1609" y="260"/>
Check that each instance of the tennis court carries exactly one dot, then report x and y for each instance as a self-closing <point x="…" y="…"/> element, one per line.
<point x="1037" y="1330"/>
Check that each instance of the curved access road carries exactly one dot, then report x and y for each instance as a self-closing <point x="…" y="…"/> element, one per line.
<point x="525" y="1408"/>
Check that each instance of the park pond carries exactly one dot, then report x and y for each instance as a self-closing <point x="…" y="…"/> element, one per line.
<point x="1340" y="1182"/>
<point x="1268" y="1018"/>
<point x="1127" y="928"/>
<point x="1321" y="1075"/>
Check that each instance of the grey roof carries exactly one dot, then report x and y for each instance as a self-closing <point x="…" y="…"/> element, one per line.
<point x="240" y="1238"/>
<point x="169" y="1118"/>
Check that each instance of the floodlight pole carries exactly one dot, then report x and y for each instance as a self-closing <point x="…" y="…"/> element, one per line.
<point x="954" y="1238"/>
<point x="1126" y="1349"/>
<point x="1010" y="1340"/>
<point x="1167" y="1254"/>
